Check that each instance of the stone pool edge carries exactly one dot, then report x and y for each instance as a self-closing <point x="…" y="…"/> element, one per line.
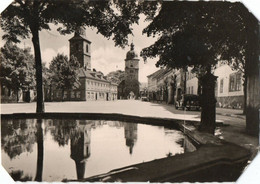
<point x="212" y="161"/>
<point x="105" y="116"/>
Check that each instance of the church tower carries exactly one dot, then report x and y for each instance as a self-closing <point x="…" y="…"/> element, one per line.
<point x="131" y="74"/>
<point x="80" y="48"/>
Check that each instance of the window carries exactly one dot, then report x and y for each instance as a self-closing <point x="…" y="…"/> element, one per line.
<point x="216" y="88"/>
<point x="187" y="75"/>
<point x="3" y="91"/>
<point x="238" y="82"/>
<point x="235" y="82"/>
<point x="191" y="89"/>
<point x="65" y="95"/>
<point x="131" y="71"/>
<point x="232" y="82"/>
<point x="72" y="94"/>
<point x="9" y="92"/>
<point x="221" y="86"/>
<point x="87" y="48"/>
<point x="78" y="94"/>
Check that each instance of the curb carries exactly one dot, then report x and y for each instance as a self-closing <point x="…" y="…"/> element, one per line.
<point x="232" y="115"/>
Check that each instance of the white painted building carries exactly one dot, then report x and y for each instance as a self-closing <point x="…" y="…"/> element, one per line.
<point x="191" y="82"/>
<point x="229" y="87"/>
<point x="228" y="91"/>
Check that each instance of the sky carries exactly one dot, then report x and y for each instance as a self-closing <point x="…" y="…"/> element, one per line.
<point x="105" y="57"/>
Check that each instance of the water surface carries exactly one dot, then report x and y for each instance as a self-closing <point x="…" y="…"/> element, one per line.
<point x="53" y="150"/>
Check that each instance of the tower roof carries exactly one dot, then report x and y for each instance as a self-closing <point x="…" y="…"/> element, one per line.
<point x="131" y="54"/>
<point x="80" y="34"/>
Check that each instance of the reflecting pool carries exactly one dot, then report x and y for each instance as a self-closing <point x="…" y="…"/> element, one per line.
<point x="55" y="149"/>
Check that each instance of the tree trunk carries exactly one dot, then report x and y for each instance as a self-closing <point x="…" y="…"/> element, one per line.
<point x="245" y="94"/>
<point x="39" y="167"/>
<point x="38" y="63"/>
<point x="199" y="87"/>
<point x="185" y="81"/>
<point x="208" y="104"/>
<point x="17" y="95"/>
<point x="253" y="80"/>
<point x="62" y="95"/>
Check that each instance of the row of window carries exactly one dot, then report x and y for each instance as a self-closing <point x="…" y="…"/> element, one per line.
<point x="77" y="94"/>
<point x="234" y="83"/>
<point x="92" y="95"/>
<point x="96" y="96"/>
<point x="73" y="94"/>
<point x="97" y="84"/>
<point x="91" y="83"/>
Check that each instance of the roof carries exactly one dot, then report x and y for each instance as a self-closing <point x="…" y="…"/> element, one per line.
<point x="94" y="75"/>
<point x="153" y="74"/>
<point x="159" y="72"/>
<point x="79" y="37"/>
<point x="131" y="54"/>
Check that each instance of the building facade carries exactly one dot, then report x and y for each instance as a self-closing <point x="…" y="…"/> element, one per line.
<point x="228" y="89"/>
<point x="129" y="88"/>
<point x="93" y="84"/>
<point x="11" y="96"/>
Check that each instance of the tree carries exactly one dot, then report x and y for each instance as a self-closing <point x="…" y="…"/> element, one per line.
<point x="165" y="89"/>
<point x="17" y="68"/>
<point x="64" y="73"/>
<point x="25" y="18"/>
<point x="17" y="137"/>
<point x="116" y="76"/>
<point x="196" y="34"/>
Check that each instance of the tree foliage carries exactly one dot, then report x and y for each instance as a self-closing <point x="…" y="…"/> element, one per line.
<point x="64" y="72"/>
<point x="116" y="76"/>
<point x="25" y="18"/>
<point x="17" y="68"/>
<point x="197" y="33"/>
<point x="17" y="137"/>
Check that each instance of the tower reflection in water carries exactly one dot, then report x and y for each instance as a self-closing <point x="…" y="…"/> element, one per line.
<point x="130" y="135"/>
<point x="80" y="146"/>
<point x="68" y="140"/>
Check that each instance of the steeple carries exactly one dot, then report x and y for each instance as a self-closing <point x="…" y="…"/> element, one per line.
<point x="132" y="46"/>
<point x="80" y="47"/>
<point x="80" y="31"/>
<point x="131" y="54"/>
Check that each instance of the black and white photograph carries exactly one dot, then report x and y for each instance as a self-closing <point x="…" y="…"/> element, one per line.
<point x="129" y="91"/>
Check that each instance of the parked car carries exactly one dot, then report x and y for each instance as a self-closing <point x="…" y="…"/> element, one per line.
<point x="144" y="98"/>
<point x="188" y="102"/>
